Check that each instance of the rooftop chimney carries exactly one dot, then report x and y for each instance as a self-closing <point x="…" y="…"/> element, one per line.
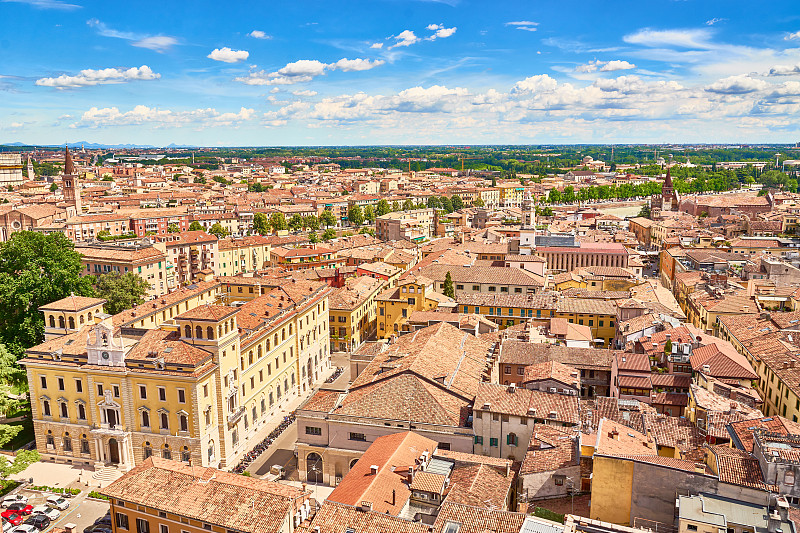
<point x="373" y="470"/>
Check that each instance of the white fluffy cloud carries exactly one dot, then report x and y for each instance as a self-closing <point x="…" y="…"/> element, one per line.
<point x="226" y="55"/>
<point x="793" y="36"/>
<point x="741" y="84"/>
<point x="604" y="66"/>
<point x="258" y="34"/>
<point x="784" y="70"/>
<point x="405" y="38"/>
<point x="90" y="77"/>
<point x="112" y="116"/>
<point x="525" y="25"/>
<point x="304" y="92"/>
<point x="306" y="70"/>
<point x="376" y="46"/>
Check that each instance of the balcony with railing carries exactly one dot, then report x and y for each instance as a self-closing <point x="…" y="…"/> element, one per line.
<point x="235" y="415"/>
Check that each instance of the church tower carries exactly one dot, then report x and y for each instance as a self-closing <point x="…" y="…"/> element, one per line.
<point x="31" y="173"/>
<point x="69" y="182"/>
<point x="667" y="194"/>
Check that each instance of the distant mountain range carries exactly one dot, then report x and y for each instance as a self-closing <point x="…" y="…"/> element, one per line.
<point x="100" y="146"/>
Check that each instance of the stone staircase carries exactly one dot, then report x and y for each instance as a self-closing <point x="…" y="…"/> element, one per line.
<point x="104" y="476"/>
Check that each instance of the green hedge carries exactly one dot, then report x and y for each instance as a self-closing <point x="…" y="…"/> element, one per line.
<point x="7" y="485"/>
<point x="547" y="514"/>
<point x="56" y="490"/>
<point x="95" y="494"/>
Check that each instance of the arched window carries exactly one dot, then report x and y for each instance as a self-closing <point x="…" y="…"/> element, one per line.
<point x="210" y="332"/>
<point x="269" y="345"/>
<point x="283" y="334"/>
<point x="89" y="316"/>
<point x="52" y="321"/>
<point x="67" y="443"/>
<point x="64" y="410"/>
<point x="72" y="322"/>
<point x="186" y="456"/>
<point x="80" y="319"/>
<point x="49" y="440"/>
<point x="84" y="444"/>
<point x="145" y="419"/>
<point x="46" y="407"/>
<point x="226" y="328"/>
<point x="263" y="406"/>
<point x="353" y="463"/>
<point x="61" y="322"/>
<point x="198" y="332"/>
<point x="210" y="451"/>
<point x="260" y="351"/>
<point x="184" y="421"/>
<point x="148" y="450"/>
<point x="219" y="331"/>
<point x="166" y="453"/>
<point x="290" y="329"/>
<point x="164" y="421"/>
<point x="512" y="439"/>
<point x="187" y="330"/>
<point x="81" y="412"/>
<point x="276" y="339"/>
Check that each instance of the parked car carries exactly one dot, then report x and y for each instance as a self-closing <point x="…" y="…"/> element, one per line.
<point x="103" y="521"/>
<point x="7" y="526"/>
<point x="58" y="502"/>
<point x="49" y="512"/>
<point x="23" y="508"/>
<point x="39" y="521"/>
<point x="25" y="528"/>
<point x="97" y="528"/>
<point x="15" y="517"/>
<point x="14" y="498"/>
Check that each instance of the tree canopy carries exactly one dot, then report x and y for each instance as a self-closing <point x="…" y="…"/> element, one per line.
<point x="122" y="291"/>
<point x="36" y="269"/>
<point x="219" y="231"/>
<point x="260" y="224"/>
<point x="196" y="226"/>
<point x="354" y="215"/>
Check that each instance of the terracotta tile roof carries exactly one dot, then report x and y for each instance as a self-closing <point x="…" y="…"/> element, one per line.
<point x="553" y="370"/>
<point x="72" y="303"/>
<point x="441" y="353"/>
<point x="678" y="381"/>
<point x="131" y="316"/>
<point x="672" y="431"/>
<point x="470" y="458"/>
<point x="335" y="517"/>
<point x="387" y="490"/>
<point x="481" y="274"/>
<point x="633" y="362"/>
<point x="742" y="431"/>
<point x="212" y="313"/>
<point x="617" y="439"/>
<point x="723" y="361"/>
<point x="671" y="462"/>
<point x="477" y="520"/>
<point x="550" y="449"/>
<point x="677" y="399"/>
<point x="479" y="485"/>
<point x="429" y="482"/>
<point x="739" y="468"/>
<point x="514" y="352"/>
<point x="321" y="401"/>
<point x="522" y="402"/>
<point x="167" y="345"/>
<point x="634" y="382"/>
<point x="221" y="498"/>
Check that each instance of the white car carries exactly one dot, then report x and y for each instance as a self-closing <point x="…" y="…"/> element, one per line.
<point x="49" y="512"/>
<point x="24" y="528"/>
<point x="58" y="502"/>
<point x="14" y="498"/>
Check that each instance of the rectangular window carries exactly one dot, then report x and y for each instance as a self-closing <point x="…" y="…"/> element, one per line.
<point x="478" y="439"/>
<point x="493" y="442"/>
<point x="142" y="526"/>
<point x="60" y="383"/>
<point x="358" y="436"/>
<point x="162" y="394"/>
<point x="43" y="380"/>
<point x="122" y="521"/>
<point x="143" y="392"/>
<point x="79" y="385"/>
<point x="99" y="389"/>
<point x="181" y="396"/>
<point x="205" y="391"/>
<point x="116" y="391"/>
<point x="311" y="430"/>
<point x="163" y="528"/>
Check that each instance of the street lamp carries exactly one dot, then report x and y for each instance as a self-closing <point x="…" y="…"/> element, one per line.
<point x="572" y="493"/>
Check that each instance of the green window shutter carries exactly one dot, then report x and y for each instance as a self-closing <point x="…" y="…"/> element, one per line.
<point x="508" y="439"/>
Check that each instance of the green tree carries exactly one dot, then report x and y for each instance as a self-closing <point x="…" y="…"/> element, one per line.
<point x="395" y="206"/>
<point x="313" y="237"/>
<point x="328" y="234"/>
<point x="457" y="202"/>
<point x="355" y="216"/>
<point x="10" y="372"/>
<point x="260" y="223"/>
<point x="327" y="219"/>
<point x="22" y="460"/>
<point x="219" y="231"/>
<point x="369" y="214"/>
<point x="277" y="221"/>
<point x="173" y="228"/>
<point x="36" y="269"/>
<point x="478" y="202"/>
<point x="383" y="207"/>
<point x="494" y="181"/>
<point x="449" y="289"/>
<point x="8" y="432"/>
<point x="53" y="187"/>
<point x="645" y="211"/>
<point x="311" y="222"/>
<point x="408" y="205"/>
<point x="122" y="291"/>
<point x="196" y="226"/>
<point x="434" y="202"/>
<point x="296" y="222"/>
<point x="447" y="204"/>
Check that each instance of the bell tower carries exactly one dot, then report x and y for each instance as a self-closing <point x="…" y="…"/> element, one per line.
<point x="72" y="193"/>
<point x="31" y="173"/>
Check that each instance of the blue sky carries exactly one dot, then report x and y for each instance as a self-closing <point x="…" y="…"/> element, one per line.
<point x="399" y="72"/>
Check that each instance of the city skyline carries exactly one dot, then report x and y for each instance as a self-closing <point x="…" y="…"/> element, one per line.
<point x="398" y="72"/>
